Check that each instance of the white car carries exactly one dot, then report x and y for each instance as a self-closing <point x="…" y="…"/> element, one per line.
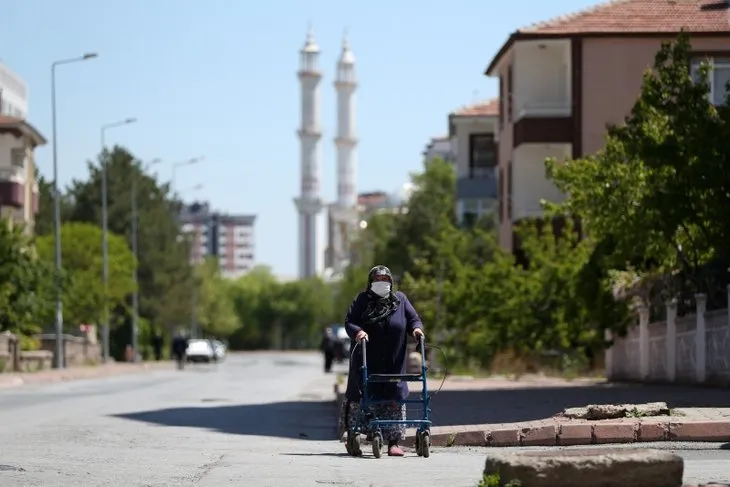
<point x="200" y="350"/>
<point x="220" y="350"/>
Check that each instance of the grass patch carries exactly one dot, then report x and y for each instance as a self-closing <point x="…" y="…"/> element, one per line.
<point x="494" y="480"/>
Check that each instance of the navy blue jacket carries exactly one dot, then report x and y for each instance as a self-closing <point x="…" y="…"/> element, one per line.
<point x="387" y="347"/>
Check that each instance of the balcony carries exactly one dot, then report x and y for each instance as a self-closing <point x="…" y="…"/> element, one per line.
<point x="544" y="123"/>
<point x="483" y="185"/>
<point x="543" y="93"/>
<point x="12" y="187"/>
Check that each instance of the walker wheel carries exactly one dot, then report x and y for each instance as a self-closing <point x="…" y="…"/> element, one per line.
<point x="353" y="445"/>
<point x="348" y="445"/>
<point x="377" y="445"/>
<point x="426" y="444"/>
<point x="419" y="452"/>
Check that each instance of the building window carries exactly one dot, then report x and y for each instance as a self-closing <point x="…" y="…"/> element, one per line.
<point x="509" y="93"/>
<point x="501" y="102"/>
<point x="17" y="158"/>
<point x="482" y="155"/>
<point x="502" y="195"/>
<point x="510" y="187"/>
<point x="718" y="77"/>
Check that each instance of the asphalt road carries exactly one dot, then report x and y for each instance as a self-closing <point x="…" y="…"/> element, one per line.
<point x="261" y="419"/>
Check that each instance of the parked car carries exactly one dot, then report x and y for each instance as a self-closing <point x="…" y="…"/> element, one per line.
<point x="220" y="350"/>
<point x="200" y="350"/>
<point x="343" y="343"/>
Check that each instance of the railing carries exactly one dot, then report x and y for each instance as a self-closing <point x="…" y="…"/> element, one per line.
<point x="546" y="109"/>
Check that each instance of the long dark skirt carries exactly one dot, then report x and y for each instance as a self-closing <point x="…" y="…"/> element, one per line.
<point x="391" y="433"/>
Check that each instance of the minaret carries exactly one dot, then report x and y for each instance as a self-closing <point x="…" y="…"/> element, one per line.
<point x="309" y="204"/>
<point x="345" y="143"/>
<point x="345" y="211"/>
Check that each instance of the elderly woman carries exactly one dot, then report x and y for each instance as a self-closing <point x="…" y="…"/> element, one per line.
<point x="384" y="319"/>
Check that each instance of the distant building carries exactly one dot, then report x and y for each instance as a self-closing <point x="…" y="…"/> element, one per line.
<point x="474" y="143"/>
<point x="230" y="238"/>
<point x="439" y="147"/>
<point x="18" y="140"/>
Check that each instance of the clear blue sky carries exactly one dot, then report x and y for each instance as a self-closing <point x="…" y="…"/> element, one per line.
<point x="217" y="78"/>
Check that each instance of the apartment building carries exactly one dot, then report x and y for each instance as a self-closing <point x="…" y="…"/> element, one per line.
<point x="18" y="141"/>
<point x="230" y="238"/>
<point x="562" y="81"/>
<point x="439" y="147"/>
<point x="473" y="140"/>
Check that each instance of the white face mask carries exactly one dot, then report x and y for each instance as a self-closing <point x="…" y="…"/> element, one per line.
<point x="381" y="288"/>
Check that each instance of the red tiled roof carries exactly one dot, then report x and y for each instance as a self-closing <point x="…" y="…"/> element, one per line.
<point x="627" y="17"/>
<point x="20" y="126"/>
<point x="482" y="109"/>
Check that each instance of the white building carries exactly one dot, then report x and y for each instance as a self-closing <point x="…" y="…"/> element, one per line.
<point x="439" y="147"/>
<point x="309" y="204"/>
<point x="18" y="140"/>
<point x="13" y="93"/>
<point x="473" y="131"/>
<point x="343" y="214"/>
<point x="230" y="238"/>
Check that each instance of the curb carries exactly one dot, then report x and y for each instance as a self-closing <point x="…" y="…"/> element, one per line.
<point x="13" y="382"/>
<point x="573" y="433"/>
<point x="568" y="434"/>
<point x="54" y="376"/>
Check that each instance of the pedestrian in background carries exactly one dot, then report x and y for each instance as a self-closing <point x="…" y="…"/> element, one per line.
<point x="179" y="349"/>
<point x="384" y="318"/>
<point x="329" y="342"/>
<point x="157" y="345"/>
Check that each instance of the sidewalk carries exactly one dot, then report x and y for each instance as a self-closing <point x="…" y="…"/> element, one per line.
<point x="17" y="379"/>
<point x="503" y="412"/>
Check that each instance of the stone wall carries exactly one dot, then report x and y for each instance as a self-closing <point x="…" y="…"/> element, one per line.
<point x="78" y="351"/>
<point x="8" y="352"/>
<point x="12" y="359"/>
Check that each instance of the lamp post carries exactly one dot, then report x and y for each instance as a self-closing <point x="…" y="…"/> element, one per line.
<point x="180" y="164"/>
<point x="135" y="252"/>
<point x="104" y="230"/>
<point x="194" y="297"/>
<point x="59" y="359"/>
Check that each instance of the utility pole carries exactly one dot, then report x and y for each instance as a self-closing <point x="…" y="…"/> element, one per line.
<point x="59" y="361"/>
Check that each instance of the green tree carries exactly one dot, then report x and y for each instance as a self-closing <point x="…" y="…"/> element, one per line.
<point x="44" y="219"/>
<point x="252" y="301"/>
<point x="84" y="298"/>
<point x="23" y="282"/>
<point x="165" y="274"/>
<point x="214" y="301"/>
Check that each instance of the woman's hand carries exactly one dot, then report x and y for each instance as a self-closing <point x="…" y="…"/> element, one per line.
<point x="417" y="332"/>
<point x="361" y="335"/>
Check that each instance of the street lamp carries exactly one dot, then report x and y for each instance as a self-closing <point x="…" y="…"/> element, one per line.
<point x="59" y="359"/>
<point x="104" y="229"/>
<point x="177" y="165"/>
<point x="135" y="252"/>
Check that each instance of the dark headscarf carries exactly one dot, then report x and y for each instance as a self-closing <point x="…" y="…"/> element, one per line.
<point x="379" y="308"/>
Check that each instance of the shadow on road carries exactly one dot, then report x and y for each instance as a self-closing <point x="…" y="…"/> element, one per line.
<point x="312" y="420"/>
<point x="454" y="407"/>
